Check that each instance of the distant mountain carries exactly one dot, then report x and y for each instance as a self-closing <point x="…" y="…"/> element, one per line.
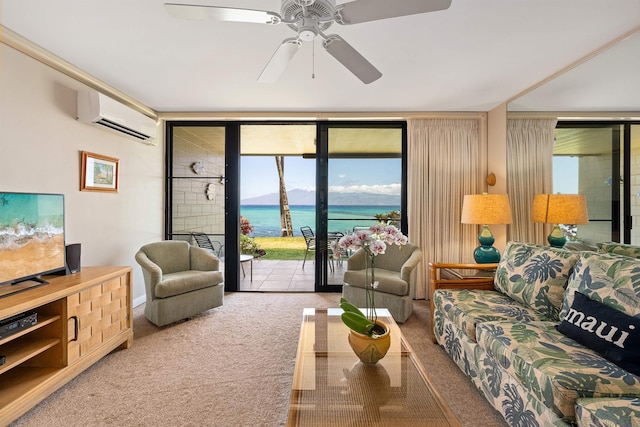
<point x="303" y="197"/>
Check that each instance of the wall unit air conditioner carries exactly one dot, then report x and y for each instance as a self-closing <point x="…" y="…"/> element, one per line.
<point x="100" y="110"/>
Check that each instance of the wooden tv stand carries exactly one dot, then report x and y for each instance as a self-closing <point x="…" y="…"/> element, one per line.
<point x="81" y="318"/>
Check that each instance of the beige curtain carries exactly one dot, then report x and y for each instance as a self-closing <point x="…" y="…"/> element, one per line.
<point x="443" y="166"/>
<point x="529" y="172"/>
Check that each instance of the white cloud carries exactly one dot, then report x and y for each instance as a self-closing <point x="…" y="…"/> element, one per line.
<point x="391" y="189"/>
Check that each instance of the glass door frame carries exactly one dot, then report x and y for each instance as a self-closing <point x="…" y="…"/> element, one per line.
<point x="232" y="189"/>
<point x="231" y="193"/>
<point x="621" y="159"/>
<point x="322" y="190"/>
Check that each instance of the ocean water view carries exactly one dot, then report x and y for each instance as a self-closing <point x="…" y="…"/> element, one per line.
<point x="265" y="219"/>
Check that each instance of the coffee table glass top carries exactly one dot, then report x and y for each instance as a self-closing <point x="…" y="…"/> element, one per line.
<point x="332" y="387"/>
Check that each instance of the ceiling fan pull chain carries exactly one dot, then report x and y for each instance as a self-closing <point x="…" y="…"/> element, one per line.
<point x="313" y="59"/>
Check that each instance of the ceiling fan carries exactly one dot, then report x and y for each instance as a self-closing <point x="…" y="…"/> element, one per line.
<point x="309" y="19"/>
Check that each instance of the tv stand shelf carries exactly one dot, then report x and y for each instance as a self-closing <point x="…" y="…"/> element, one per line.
<point x="42" y="321"/>
<point x="80" y="319"/>
<point x="20" y="351"/>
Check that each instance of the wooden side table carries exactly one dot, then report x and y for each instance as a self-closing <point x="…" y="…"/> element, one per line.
<point x="459" y="276"/>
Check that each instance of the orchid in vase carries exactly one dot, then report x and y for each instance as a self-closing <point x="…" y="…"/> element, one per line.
<point x="373" y="242"/>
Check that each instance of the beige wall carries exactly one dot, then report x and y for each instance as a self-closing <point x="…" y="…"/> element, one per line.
<point x="40" y="145"/>
<point x="497" y="163"/>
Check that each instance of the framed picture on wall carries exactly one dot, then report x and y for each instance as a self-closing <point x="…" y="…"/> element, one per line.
<point x="99" y="173"/>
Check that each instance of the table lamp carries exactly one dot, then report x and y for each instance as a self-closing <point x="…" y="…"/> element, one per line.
<point x="485" y="209"/>
<point x="559" y="209"/>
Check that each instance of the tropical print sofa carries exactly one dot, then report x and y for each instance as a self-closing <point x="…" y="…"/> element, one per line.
<point x="521" y="343"/>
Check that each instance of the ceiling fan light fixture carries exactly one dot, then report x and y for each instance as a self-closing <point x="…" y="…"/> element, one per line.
<point x="307" y="34"/>
<point x="308" y="29"/>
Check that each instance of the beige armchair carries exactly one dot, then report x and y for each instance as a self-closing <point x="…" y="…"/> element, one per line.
<point x="180" y="280"/>
<point x="393" y="271"/>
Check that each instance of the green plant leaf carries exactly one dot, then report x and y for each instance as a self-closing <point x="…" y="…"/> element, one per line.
<point x="358" y="323"/>
<point x="348" y="307"/>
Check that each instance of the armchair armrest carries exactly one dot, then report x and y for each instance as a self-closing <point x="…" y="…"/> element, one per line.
<point x="203" y="260"/>
<point x="151" y="271"/>
<point x="445" y="272"/>
<point x="410" y="264"/>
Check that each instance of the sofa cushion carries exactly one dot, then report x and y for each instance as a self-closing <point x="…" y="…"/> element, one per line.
<point x="609" y="332"/>
<point x="466" y="308"/>
<point x="186" y="281"/>
<point x="552" y="366"/>
<point x="535" y="276"/>
<point x="613" y="280"/>
<point x="517" y="405"/>
<point x="608" y="412"/>
<point x="620" y="249"/>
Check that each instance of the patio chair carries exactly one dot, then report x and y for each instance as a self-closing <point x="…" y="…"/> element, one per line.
<point x="333" y="235"/>
<point x="203" y="241"/>
<point x="309" y="239"/>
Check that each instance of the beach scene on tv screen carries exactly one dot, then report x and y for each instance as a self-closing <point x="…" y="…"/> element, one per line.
<point x="31" y="234"/>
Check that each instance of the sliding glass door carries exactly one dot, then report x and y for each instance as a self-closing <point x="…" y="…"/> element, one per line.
<point x="329" y="177"/>
<point x="600" y="160"/>
<point x="634" y="184"/>
<point x="200" y="189"/>
<point x="277" y="202"/>
<point x="361" y="181"/>
<point x="195" y="183"/>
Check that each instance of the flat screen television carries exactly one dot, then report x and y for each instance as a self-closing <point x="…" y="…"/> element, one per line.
<point x="32" y="239"/>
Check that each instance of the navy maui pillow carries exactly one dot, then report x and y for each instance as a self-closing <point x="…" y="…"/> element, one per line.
<point x="611" y="333"/>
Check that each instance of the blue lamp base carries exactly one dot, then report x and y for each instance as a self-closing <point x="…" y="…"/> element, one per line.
<point x="486" y="253"/>
<point x="557" y="239"/>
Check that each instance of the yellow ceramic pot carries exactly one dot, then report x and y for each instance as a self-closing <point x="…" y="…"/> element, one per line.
<point x="370" y="350"/>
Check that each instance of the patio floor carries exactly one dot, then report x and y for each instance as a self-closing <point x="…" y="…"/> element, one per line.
<point x="283" y="276"/>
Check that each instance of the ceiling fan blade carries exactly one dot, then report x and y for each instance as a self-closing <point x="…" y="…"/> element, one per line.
<point x="359" y="11"/>
<point x="191" y="11"/>
<point x="351" y="58"/>
<point x="279" y="61"/>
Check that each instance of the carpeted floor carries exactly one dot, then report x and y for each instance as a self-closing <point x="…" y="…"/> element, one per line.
<point x="230" y="366"/>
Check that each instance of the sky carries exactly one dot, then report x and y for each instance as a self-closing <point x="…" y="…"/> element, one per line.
<point x="565" y="175"/>
<point x="259" y="175"/>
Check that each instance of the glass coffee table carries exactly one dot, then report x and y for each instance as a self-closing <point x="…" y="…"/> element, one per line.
<point x="332" y="387"/>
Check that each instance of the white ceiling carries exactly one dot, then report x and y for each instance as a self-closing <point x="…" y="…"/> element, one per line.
<point x="471" y="57"/>
<point x="609" y="82"/>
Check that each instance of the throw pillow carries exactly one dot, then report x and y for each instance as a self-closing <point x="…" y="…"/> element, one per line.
<point x="611" y="279"/>
<point x="620" y="249"/>
<point x="609" y="332"/>
<point x="535" y="276"/>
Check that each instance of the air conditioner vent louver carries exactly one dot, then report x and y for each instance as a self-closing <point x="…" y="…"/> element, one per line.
<point x="100" y="110"/>
<point x="115" y="126"/>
